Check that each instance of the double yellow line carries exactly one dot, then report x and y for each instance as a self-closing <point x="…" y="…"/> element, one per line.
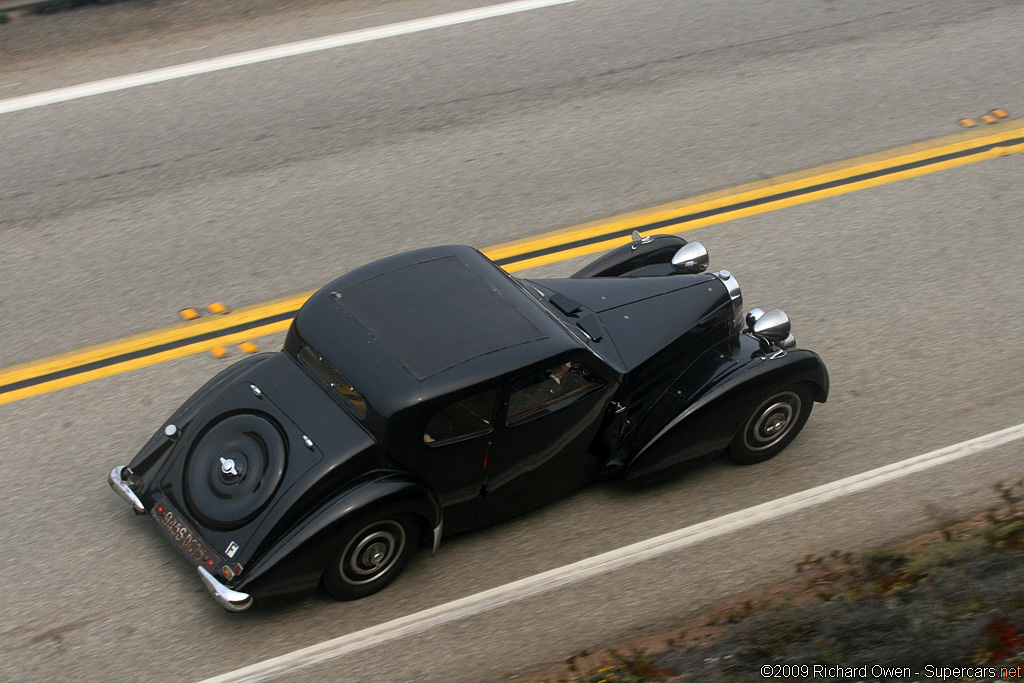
<point x="149" y="348"/>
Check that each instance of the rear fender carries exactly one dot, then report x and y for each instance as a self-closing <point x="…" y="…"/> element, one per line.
<point x="649" y="256"/>
<point x="159" y="445"/>
<point x="709" y="421"/>
<point x="296" y="562"/>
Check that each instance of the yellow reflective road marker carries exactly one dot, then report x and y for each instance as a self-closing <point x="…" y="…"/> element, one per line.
<point x="217" y="308"/>
<point x="147" y="348"/>
<point x="251" y="322"/>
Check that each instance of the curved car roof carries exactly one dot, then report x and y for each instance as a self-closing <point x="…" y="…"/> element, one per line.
<point x="428" y="322"/>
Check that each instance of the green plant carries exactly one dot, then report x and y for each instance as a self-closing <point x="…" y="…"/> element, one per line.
<point x="777" y="636"/>
<point x="749" y="607"/>
<point x="881" y="571"/>
<point x="830" y="571"/>
<point x="938" y="556"/>
<point x="1011" y="494"/>
<point x="635" y="667"/>
<point x="1005" y="530"/>
<point x="60" y="5"/>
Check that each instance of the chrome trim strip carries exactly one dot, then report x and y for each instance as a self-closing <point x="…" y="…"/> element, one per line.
<point x="437" y="538"/>
<point x="233" y="601"/>
<point x="730" y="283"/>
<point x="121" y="489"/>
<point x="639" y="239"/>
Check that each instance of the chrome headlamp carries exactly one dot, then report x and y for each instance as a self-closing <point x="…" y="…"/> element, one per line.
<point x="772" y="328"/>
<point x="690" y="259"/>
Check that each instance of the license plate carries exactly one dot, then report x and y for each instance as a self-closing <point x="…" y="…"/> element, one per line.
<point x="187" y="541"/>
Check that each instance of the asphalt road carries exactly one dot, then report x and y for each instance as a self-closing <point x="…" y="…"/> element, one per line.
<point x="242" y="185"/>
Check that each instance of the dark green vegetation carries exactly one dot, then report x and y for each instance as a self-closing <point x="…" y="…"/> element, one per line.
<point x="61" y="5"/>
<point x="956" y="601"/>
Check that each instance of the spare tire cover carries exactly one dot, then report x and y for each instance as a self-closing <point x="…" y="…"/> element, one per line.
<point x="234" y="470"/>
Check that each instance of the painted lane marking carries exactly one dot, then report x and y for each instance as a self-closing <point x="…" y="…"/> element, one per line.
<point x="145" y="349"/>
<point x="189" y="49"/>
<point x="842" y="177"/>
<point x="610" y="561"/>
<point x="267" y="54"/>
<point x="149" y="348"/>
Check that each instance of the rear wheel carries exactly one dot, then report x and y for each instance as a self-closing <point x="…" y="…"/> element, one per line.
<point x="772" y="425"/>
<point x="371" y="554"/>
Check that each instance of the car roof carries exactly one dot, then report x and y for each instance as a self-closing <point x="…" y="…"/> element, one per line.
<point x="426" y="323"/>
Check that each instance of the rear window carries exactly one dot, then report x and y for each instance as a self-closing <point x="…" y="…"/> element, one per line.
<point x="333" y="380"/>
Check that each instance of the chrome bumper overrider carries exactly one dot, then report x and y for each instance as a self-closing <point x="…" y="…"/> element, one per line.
<point x="233" y="601"/>
<point x="121" y="488"/>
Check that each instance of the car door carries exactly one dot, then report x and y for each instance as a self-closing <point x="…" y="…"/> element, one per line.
<point x="540" y="449"/>
<point x="455" y="444"/>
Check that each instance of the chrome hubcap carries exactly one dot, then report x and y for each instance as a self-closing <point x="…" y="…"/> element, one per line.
<point x="374" y="555"/>
<point x="772" y="421"/>
<point x="372" y="552"/>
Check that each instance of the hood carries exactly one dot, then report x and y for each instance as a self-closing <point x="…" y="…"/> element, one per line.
<point x="249" y="452"/>
<point x="647" y="315"/>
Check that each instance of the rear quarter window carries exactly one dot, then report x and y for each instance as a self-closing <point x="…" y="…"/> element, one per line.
<point x="471" y="416"/>
<point x="334" y="380"/>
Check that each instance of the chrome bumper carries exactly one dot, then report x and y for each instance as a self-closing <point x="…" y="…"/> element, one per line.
<point x="121" y="488"/>
<point x="233" y="601"/>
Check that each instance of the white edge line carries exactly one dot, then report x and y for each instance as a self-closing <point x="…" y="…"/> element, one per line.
<point x="610" y="561"/>
<point x="108" y="85"/>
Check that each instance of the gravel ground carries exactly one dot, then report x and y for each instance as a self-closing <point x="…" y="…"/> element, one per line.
<point x="929" y="603"/>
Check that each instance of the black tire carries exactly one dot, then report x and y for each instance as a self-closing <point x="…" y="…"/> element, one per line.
<point x="772" y="425"/>
<point x="371" y="554"/>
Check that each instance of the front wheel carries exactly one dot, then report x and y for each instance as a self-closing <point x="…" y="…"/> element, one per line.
<point x="773" y="425"/>
<point x="371" y="554"/>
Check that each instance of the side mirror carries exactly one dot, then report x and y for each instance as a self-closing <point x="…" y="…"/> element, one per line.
<point x="772" y="326"/>
<point x="692" y="258"/>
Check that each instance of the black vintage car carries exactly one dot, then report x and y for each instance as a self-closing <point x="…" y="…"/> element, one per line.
<point x="432" y="391"/>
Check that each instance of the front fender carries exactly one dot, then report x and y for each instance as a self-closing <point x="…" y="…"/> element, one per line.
<point x="296" y="562"/>
<point x="650" y="257"/>
<point x="711" y="418"/>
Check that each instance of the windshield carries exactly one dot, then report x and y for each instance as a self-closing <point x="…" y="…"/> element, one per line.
<point x="333" y="380"/>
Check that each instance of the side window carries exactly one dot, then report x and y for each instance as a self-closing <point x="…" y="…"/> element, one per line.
<point x="469" y="417"/>
<point x="547" y="391"/>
